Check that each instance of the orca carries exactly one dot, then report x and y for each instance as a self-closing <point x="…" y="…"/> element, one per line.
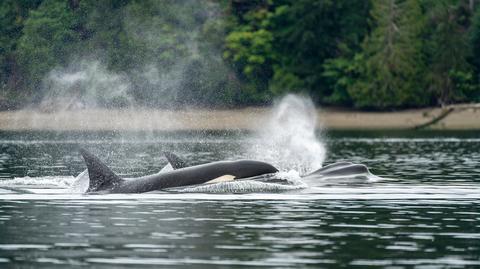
<point x="339" y="169"/>
<point x="335" y="170"/>
<point x="103" y="179"/>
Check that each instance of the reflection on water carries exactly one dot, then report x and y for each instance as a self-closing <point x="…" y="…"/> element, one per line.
<point x="429" y="216"/>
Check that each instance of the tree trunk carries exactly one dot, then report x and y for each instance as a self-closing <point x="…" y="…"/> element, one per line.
<point x="445" y="112"/>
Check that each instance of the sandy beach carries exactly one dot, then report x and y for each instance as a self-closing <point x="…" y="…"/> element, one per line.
<point x="236" y="119"/>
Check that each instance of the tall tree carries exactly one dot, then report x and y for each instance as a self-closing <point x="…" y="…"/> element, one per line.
<point x="249" y="48"/>
<point x="281" y="46"/>
<point x="448" y="48"/>
<point x="48" y="38"/>
<point x="307" y="33"/>
<point x="391" y="65"/>
<point x="12" y="19"/>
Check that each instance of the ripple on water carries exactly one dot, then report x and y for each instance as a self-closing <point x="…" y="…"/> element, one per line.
<point x="427" y="218"/>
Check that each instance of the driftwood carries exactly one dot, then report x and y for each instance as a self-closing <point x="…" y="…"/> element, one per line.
<point x="447" y="110"/>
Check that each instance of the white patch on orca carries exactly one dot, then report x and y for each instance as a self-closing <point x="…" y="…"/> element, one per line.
<point x="80" y="185"/>
<point x="223" y="178"/>
<point x="166" y="168"/>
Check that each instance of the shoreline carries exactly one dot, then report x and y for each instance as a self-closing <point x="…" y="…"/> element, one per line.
<point x="251" y="118"/>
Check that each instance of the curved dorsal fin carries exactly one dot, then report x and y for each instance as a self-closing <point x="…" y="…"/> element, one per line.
<point x="101" y="177"/>
<point x="175" y="161"/>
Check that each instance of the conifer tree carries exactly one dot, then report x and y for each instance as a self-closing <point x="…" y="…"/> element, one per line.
<point x="391" y="64"/>
<point x="448" y="50"/>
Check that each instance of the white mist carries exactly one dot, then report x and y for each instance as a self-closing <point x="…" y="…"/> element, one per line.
<point x="288" y="140"/>
<point x="85" y="84"/>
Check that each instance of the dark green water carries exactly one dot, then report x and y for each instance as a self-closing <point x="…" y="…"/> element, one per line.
<point x="428" y="217"/>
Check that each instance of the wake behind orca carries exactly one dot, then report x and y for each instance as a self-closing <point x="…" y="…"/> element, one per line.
<point x="103" y="179"/>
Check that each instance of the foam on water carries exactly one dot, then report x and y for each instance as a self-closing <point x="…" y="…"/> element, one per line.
<point x="48" y="181"/>
<point x="256" y="190"/>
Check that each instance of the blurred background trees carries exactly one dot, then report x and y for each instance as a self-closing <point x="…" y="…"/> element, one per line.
<point x="367" y="54"/>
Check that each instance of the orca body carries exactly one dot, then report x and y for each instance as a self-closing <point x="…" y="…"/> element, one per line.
<point x="102" y="179"/>
<point x="340" y="169"/>
<point x="334" y="170"/>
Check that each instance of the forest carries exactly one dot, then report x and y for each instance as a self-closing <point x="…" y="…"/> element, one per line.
<point x="362" y="54"/>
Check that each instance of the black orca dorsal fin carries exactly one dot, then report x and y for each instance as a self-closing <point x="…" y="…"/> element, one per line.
<point x="175" y="161"/>
<point x="101" y="177"/>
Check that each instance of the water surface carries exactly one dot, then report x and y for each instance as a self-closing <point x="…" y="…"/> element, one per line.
<point x="426" y="215"/>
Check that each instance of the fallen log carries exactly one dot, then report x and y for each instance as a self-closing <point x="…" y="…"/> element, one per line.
<point x="447" y="110"/>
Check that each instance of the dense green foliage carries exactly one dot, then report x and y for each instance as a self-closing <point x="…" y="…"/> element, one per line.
<point x="391" y="66"/>
<point x="377" y="54"/>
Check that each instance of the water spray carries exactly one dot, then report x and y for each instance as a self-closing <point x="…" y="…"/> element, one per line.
<point x="288" y="140"/>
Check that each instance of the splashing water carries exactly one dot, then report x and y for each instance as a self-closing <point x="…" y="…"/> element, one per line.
<point x="288" y="140"/>
<point x="47" y="181"/>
